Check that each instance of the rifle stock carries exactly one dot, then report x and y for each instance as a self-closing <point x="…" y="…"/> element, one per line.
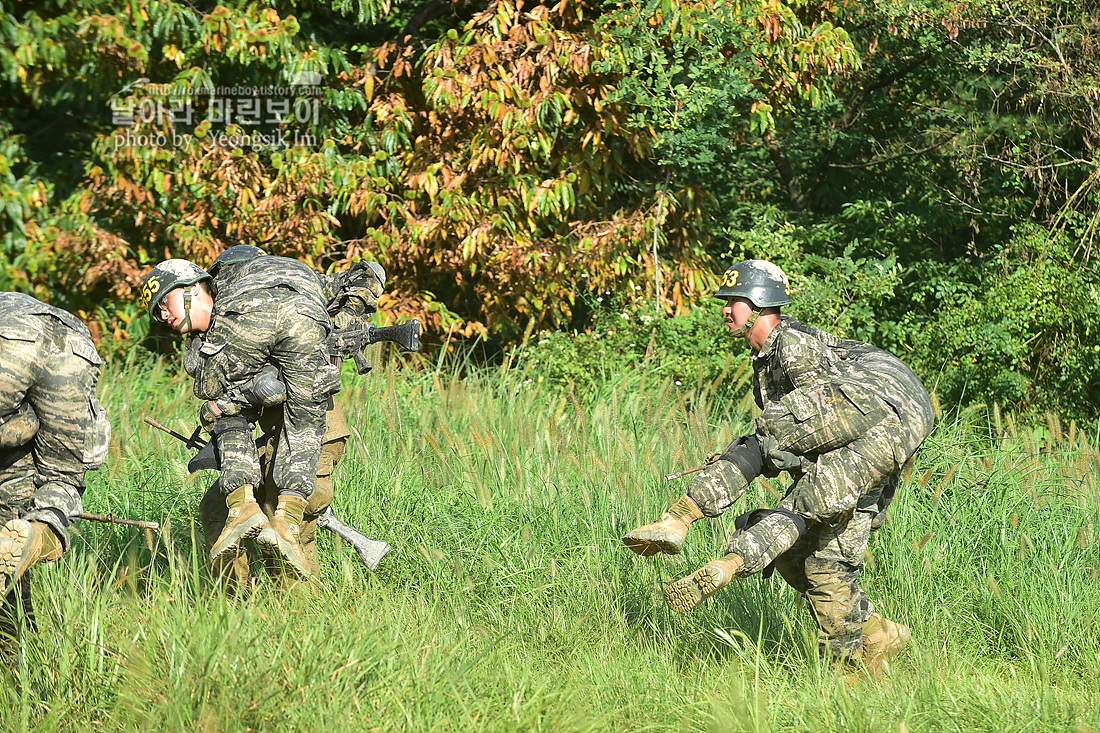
<point x="350" y="342"/>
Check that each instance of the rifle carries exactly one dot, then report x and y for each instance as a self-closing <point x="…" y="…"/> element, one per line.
<point x="352" y="340"/>
<point x="371" y="551"/>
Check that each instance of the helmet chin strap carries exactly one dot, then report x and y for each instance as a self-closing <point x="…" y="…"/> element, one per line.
<point x="186" y="310"/>
<point x="738" y="333"/>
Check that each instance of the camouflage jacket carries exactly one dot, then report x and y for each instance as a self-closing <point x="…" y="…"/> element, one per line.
<point x="349" y="295"/>
<point x="238" y="343"/>
<point x="49" y="368"/>
<point x="18" y="304"/>
<point x="797" y="356"/>
<point x="352" y="294"/>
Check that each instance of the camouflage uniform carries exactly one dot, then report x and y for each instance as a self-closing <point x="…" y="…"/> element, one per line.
<point x="213" y="511"/>
<point x="852" y="415"/>
<point x="348" y="295"/>
<point x="48" y="361"/>
<point x="273" y="311"/>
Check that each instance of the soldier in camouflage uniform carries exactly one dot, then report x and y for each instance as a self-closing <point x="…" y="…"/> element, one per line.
<point x="350" y="294"/>
<point x="842" y="417"/>
<point x="273" y="312"/>
<point x="52" y="430"/>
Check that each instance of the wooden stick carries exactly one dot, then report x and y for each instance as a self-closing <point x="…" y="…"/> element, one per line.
<point x="112" y="519"/>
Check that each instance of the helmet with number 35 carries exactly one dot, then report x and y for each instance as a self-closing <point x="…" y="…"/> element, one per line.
<point x="758" y="281"/>
<point x="163" y="278"/>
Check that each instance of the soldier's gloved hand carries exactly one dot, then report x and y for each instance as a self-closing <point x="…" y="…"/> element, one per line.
<point x="19" y="427"/>
<point x="780" y="459"/>
<point x="192" y="360"/>
<point x="213" y="410"/>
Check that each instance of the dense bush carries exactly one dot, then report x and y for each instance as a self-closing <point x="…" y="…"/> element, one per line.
<point x="925" y="170"/>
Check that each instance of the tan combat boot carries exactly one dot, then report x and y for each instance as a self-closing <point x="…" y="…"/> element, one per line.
<point x="244" y="521"/>
<point x="283" y="535"/>
<point x="668" y="533"/>
<point x="22" y="544"/>
<point x="882" y="639"/>
<point x="232" y="570"/>
<point x="687" y="593"/>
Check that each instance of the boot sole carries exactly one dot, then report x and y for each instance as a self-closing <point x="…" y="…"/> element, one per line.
<point x="686" y="593"/>
<point x="15" y="542"/>
<point x="648" y="544"/>
<point x="245" y="531"/>
<point x="270" y="542"/>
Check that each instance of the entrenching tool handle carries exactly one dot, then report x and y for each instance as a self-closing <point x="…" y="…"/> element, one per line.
<point x="370" y="551"/>
<point x="112" y="519"/>
<point x="710" y="459"/>
<point x="685" y="472"/>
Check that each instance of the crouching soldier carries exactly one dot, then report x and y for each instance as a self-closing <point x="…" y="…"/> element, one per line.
<point x="270" y="314"/>
<point x="842" y="417"/>
<point x="52" y="430"/>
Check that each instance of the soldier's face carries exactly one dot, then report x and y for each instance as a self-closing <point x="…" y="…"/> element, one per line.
<point x="174" y="314"/>
<point x="737" y="313"/>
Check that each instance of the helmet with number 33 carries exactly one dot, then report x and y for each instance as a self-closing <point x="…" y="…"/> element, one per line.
<point x="759" y="281"/>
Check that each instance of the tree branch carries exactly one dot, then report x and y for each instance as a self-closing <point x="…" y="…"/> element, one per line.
<point x="786" y="171"/>
<point x="892" y="158"/>
<point x="848" y="117"/>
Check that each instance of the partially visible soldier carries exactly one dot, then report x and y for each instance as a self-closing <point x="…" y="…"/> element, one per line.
<point x="52" y="430"/>
<point x="842" y="417"/>
<point x="272" y="313"/>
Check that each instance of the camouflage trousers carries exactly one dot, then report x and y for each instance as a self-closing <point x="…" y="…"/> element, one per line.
<point x="281" y="327"/>
<point x="823" y="563"/>
<point x="817" y="540"/>
<point x="54" y="369"/>
<point x="213" y="510"/>
<point x="238" y="459"/>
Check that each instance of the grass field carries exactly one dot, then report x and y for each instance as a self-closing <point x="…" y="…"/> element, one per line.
<point x="509" y="603"/>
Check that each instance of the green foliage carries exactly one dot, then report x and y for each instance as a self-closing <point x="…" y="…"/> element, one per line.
<point x="503" y="159"/>
<point x="509" y="603"/>
<point x="702" y="75"/>
<point x="691" y="351"/>
<point x="1025" y="334"/>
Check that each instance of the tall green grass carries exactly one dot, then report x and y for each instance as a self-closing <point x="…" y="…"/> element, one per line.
<point x="509" y="604"/>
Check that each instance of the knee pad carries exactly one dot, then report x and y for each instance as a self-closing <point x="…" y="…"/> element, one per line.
<point x="745" y="453"/>
<point x="230" y="424"/>
<point x="717" y="486"/>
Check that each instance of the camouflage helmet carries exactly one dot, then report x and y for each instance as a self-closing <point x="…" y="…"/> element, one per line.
<point x="758" y="281"/>
<point x="378" y="270"/>
<point x="163" y="278"/>
<point x="235" y="255"/>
